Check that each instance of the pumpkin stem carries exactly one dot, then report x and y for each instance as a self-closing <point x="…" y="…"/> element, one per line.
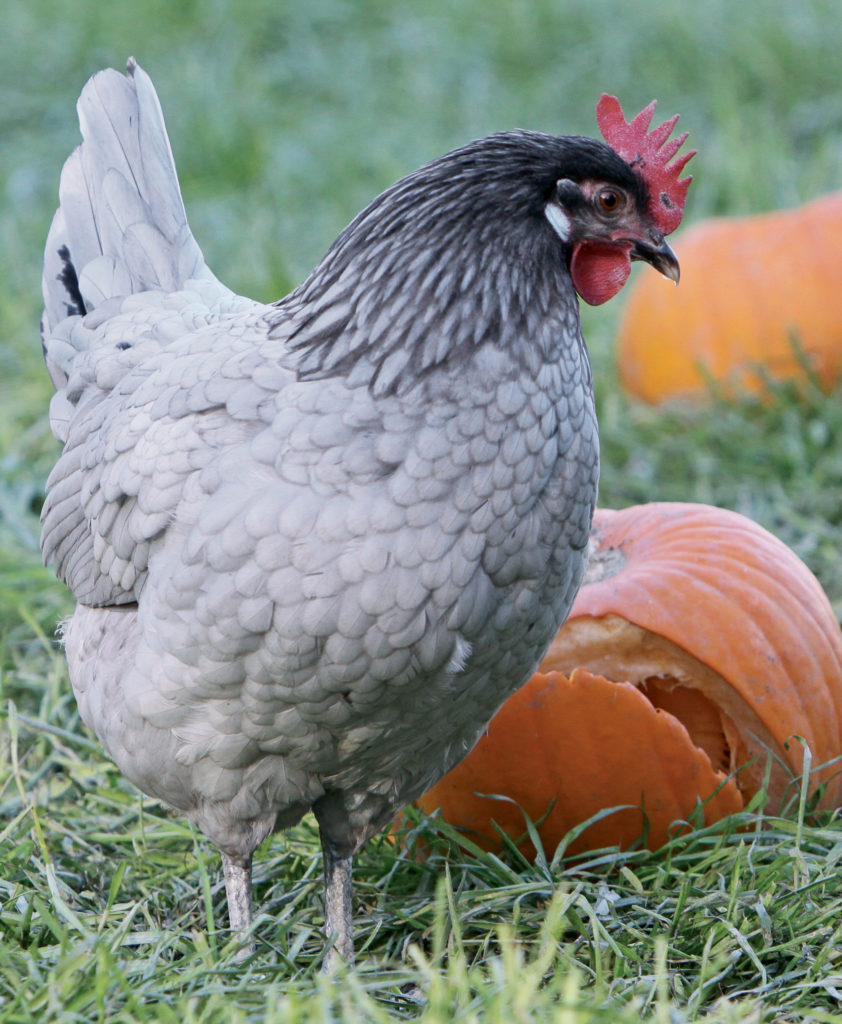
<point x="602" y="562"/>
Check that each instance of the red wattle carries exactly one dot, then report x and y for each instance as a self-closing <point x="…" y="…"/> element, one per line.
<point x="599" y="270"/>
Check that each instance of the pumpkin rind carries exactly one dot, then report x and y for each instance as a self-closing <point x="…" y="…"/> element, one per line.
<point x="733" y="611"/>
<point x="748" y="287"/>
<point x="565" y="749"/>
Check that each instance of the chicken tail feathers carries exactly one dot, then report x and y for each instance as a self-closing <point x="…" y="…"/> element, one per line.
<point x="121" y="226"/>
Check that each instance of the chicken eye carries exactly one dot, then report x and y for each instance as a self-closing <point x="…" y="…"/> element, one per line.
<point x="610" y="200"/>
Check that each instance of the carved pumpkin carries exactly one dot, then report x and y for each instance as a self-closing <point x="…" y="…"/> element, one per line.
<point x="749" y="287"/>
<point x="712" y="641"/>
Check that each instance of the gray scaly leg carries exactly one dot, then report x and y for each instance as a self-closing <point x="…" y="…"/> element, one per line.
<point x="339" y="924"/>
<point x="240" y="911"/>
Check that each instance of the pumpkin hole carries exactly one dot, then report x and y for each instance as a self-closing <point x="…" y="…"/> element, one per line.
<point x="699" y="716"/>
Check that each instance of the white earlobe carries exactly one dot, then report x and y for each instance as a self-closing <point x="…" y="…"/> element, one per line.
<point x="559" y="221"/>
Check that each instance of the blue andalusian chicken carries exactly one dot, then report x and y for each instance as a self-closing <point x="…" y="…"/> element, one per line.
<point x="316" y="544"/>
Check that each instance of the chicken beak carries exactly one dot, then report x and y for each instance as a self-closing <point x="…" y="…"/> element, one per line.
<point x="658" y="254"/>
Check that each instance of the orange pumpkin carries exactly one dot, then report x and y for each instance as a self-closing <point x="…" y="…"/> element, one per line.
<point x="749" y="287"/>
<point x="713" y="643"/>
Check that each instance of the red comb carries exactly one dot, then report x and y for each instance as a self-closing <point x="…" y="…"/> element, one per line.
<point x="650" y="154"/>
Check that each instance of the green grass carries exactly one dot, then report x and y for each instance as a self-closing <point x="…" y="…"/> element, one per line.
<point x="286" y="118"/>
<point x="112" y="910"/>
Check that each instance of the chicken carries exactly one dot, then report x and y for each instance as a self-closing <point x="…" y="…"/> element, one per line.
<point x="315" y="544"/>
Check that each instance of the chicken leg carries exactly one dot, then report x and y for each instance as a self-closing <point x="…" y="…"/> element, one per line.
<point x="240" y="909"/>
<point x="339" y="924"/>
